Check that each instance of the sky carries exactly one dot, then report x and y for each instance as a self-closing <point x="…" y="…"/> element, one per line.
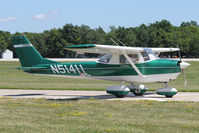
<point x="40" y="15"/>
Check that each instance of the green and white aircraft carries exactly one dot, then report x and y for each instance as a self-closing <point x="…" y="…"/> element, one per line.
<point x="120" y="63"/>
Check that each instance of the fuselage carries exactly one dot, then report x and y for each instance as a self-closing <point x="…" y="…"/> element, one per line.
<point x="159" y="70"/>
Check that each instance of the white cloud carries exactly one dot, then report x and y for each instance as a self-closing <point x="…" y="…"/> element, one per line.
<point x="8" y="19"/>
<point x="54" y="12"/>
<point x="42" y="16"/>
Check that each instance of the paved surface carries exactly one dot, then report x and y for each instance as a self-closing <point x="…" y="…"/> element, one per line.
<point x="78" y="95"/>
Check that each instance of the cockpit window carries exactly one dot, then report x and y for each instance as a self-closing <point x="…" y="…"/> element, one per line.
<point x="105" y="59"/>
<point x="148" y="54"/>
<point x="145" y="56"/>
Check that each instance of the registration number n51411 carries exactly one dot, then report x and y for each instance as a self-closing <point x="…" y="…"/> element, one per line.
<point x="67" y="69"/>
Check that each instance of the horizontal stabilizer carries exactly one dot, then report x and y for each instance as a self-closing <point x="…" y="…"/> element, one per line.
<point x="29" y="68"/>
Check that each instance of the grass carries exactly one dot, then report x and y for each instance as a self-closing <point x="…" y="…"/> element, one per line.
<point x="95" y="116"/>
<point x="15" y="79"/>
<point x="192" y="76"/>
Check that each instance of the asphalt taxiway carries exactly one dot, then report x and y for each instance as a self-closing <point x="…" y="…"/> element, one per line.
<point x="78" y="95"/>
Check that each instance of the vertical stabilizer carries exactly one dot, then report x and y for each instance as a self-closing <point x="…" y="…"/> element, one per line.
<point x="26" y="52"/>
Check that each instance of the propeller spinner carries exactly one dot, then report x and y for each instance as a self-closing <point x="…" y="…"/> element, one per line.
<point x="183" y="65"/>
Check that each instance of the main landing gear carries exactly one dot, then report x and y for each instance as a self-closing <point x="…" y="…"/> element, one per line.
<point x="139" y="90"/>
<point x="167" y="91"/>
<point x="121" y="91"/>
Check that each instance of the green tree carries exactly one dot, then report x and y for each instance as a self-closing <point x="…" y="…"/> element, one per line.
<point x="4" y="40"/>
<point x="162" y="33"/>
<point x="54" y="43"/>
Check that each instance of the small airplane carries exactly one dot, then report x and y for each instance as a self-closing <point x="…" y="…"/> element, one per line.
<point x="134" y="65"/>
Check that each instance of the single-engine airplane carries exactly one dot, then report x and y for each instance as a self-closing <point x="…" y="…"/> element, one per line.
<point x="120" y="63"/>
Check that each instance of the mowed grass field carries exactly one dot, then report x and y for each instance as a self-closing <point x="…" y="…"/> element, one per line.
<point x="17" y="79"/>
<point x="97" y="116"/>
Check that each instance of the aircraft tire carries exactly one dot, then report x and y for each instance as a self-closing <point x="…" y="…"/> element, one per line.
<point x="120" y="96"/>
<point x="138" y="94"/>
<point x="167" y="96"/>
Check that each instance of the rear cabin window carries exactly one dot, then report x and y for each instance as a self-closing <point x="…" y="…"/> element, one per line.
<point x="105" y="59"/>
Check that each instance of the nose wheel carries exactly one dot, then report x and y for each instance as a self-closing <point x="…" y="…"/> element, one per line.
<point x="120" y="96"/>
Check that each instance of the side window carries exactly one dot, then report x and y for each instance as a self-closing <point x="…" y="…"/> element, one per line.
<point x="145" y="56"/>
<point x="105" y="59"/>
<point x="123" y="60"/>
<point x="134" y="58"/>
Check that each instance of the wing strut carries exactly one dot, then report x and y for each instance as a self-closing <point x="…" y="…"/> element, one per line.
<point x="132" y="64"/>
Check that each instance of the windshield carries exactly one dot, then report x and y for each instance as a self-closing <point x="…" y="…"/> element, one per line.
<point x="105" y="59"/>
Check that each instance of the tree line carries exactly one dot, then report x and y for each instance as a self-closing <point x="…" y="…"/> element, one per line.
<point x="50" y="43"/>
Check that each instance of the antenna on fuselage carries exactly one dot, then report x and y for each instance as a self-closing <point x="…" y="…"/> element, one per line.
<point x="121" y="42"/>
<point x="114" y="41"/>
<point x="118" y="41"/>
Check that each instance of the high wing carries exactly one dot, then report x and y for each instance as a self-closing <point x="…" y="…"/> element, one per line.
<point x="103" y="49"/>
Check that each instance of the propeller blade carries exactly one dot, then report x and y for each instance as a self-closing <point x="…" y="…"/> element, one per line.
<point x="179" y="54"/>
<point x="182" y="66"/>
<point x="184" y="76"/>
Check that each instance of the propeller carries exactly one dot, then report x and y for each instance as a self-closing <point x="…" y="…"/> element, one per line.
<point x="182" y="66"/>
<point x="184" y="76"/>
<point x="179" y="54"/>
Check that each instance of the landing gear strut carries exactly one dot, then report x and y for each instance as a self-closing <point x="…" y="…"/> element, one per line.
<point x="167" y="91"/>
<point x="138" y="90"/>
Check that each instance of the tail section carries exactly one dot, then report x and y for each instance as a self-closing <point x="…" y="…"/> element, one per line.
<point x="26" y="52"/>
